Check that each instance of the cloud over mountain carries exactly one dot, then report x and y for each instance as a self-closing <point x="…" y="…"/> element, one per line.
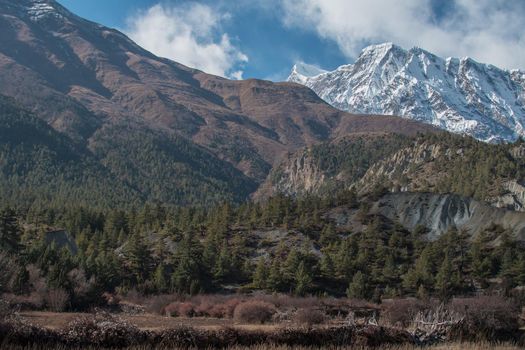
<point x="189" y="34"/>
<point x="488" y="30"/>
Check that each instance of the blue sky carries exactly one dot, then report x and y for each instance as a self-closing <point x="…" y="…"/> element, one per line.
<point x="264" y="38"/>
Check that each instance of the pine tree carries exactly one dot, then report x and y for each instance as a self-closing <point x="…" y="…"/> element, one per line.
<point x="188" y="276"/>
<point x="328" y="235"/>
<point x="303" y="280"/>
<point x="444" y="279"/>
<point x="358" y="287"/>
<point x="275" y="277"/>
<point x="9" y="231"/>
<point x="138" y="258"/>
<point x="222" y="266"/>
<point x="291" y="265"/>
<point x="260" y="276"/>
<point x="327" y="264"/>
<point x="159" y="279"/>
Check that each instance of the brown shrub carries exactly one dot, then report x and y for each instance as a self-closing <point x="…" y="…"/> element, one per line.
<point x="8" y="269"/>
<point x="284" y="301"/>
<point x="309" y="317"/>
<point x="57" y="299"/>
<point x="226" y="309"/>
<point x="134" y="297"/>
<point x="157" y="304"/>
<point x="5" y="310"/>
<point x="218" y="306"/>
<point x="254" y="311"/>
<point x="33" y="301"/>
<point x="180" y="309"/>
<point x="111" y="299"/>
<point x="486" y="317"/>
<point x="401" y="312"/>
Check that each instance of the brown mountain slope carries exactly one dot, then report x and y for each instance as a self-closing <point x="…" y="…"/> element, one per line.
<point x="86" y="80"/>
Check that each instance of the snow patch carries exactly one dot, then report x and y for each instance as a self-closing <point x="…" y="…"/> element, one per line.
<point x="39" y="9"/>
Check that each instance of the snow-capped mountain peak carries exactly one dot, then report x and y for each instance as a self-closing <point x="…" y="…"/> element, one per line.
<point x="302" y="71"/>
<point x="459" y="95"/>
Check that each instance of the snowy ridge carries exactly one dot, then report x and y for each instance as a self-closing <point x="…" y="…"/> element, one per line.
<point x="459" y="95"/>
<point x="302" y="71"/>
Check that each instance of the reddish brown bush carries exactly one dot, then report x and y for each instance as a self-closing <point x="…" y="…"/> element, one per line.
<point x="226" y="309"/>
<point x="157" y="304"/>
<point x="178" y="309"/>
<point x="218" y="306"/>
<point x="254" y="312"/>
<point x="309" y="317"/>
<point x="111" y="299"/>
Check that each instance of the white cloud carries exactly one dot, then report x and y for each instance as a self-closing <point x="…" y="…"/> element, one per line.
<point x="490" y="31"/>
<point x="188" y="34"/>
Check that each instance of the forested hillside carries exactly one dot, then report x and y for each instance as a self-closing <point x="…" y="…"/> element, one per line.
<point x="40" y="166"/>
<point x="285" y="245"/>
<point x="126" y="167"/>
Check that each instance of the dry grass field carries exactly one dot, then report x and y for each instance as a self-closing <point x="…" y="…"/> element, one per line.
<point x="455" y="346"/>
<point x="151" y="322"/>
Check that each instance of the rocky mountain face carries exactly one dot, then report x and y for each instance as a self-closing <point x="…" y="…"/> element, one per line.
<point x="328" y="167"/>
<point x="458" y="95"/>
<point x="437" y="213"/>
<point x="172" y="133"/>
<point x="440" y="163"/>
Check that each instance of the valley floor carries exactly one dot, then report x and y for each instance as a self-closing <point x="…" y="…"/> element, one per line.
<point x="150" y="322"/>
<point x="450" y="346"/>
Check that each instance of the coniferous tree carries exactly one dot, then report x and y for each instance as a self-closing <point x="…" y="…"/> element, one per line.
<point x="260" y="275"/>
<point x="188" y="276"/>
<point x="138" y="258"/>
<point x="444" y="279"/>
<point x="10" y="232"/>
<point x="358" y="287"/>
<point x="303" y="280"/>
<point x="159" y="279"/>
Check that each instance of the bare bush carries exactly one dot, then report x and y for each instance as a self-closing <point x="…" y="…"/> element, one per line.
<point x="284" y="301"/>
<point x="434" y="325"/>
<point x="102" y="329"/>
<point x="5" y="310"/>
<point x="32" y="301"/>
<point x="57" y="299"/>
<point x="8" y="269"/>
<point x="254" y="312"/>
<point x="134" y="297"/>
<point x="309" y="317"/>
<point x="486" y="317"/>
<point x="81" y="285"/>
<point x="401" y="312"/>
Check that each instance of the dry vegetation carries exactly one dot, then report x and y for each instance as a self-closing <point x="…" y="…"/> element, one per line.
<point x="451" y="346"/>
<point x="229" y="321"/>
